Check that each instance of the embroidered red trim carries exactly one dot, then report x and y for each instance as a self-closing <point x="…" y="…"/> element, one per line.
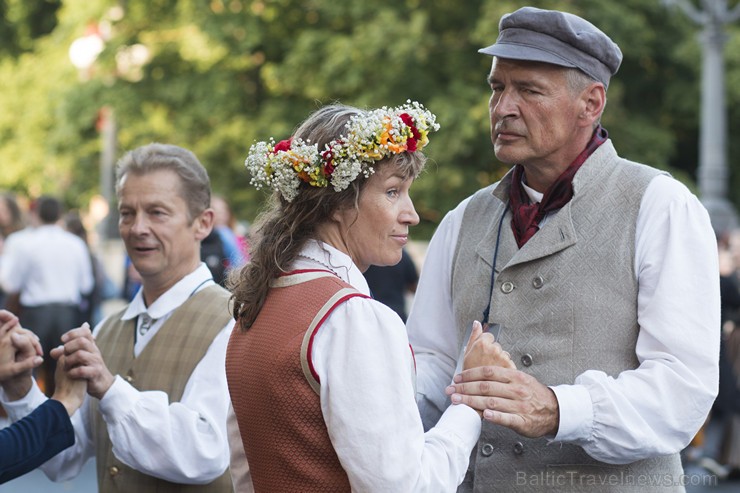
<point x="309" y="349"/>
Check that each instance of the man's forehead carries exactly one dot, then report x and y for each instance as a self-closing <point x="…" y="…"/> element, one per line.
<point x="156" y="186"/>
<point x="158" y="178"/>
<point x="506" y="63"/>
<point x="527" y="72"/>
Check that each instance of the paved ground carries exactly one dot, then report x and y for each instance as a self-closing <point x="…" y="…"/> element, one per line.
<point x="699" y="479"/>
<point x="37" y="482"/>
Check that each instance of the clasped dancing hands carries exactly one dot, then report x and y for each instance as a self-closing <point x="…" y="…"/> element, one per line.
<point x="83" y="360"/>
<point x="491" y="384"/>
<point x="20" y="353"/>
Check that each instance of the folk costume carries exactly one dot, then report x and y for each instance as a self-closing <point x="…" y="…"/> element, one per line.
<point x="336" y="409"/>
<point x="612" y="302"/>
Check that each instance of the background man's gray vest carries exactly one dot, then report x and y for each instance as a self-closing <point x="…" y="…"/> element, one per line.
<point x="567" y="301"/>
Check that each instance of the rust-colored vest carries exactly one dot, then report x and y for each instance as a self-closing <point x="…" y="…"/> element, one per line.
<point x="165" y="364"/>
<point x="275" y="392"/>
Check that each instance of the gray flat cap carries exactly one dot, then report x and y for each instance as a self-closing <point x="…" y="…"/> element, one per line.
<point x="559" y="38"/>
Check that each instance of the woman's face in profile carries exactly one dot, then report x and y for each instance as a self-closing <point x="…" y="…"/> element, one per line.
<point x="376" y="232"/>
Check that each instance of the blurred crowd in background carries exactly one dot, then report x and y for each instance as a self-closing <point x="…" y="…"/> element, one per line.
<point x="22" y="289"/>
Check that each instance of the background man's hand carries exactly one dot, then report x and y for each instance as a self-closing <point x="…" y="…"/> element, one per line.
<point x="69" y="391"/>
<point x="83" y="360"/>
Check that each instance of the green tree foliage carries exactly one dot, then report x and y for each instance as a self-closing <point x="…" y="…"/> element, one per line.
<point x="22" y="22"/>
<point x="221" y="74"/>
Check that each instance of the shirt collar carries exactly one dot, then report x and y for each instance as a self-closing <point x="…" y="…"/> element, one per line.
<point x="173" y="297"/>
<point x="319" y="255"/>
<point x="535" y="197"/>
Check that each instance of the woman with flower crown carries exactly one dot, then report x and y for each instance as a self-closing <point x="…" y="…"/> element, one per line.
<point x="321" y="376"/>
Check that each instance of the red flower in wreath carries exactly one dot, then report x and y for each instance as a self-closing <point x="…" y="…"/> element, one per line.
<point x="411" y="142"/>
<point x="328" y="158"/>
<point x="283" y="145"/>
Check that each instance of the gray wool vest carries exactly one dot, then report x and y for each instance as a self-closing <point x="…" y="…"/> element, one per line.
<point x="567" y="303"/>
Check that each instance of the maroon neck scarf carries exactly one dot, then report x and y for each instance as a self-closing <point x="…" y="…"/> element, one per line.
<point x="526" y="216"/>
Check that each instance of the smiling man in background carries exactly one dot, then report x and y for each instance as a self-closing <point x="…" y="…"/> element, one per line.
<point x="156" y="419"/>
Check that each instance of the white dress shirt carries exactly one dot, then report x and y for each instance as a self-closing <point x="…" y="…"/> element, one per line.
<point x="650" y="411"/>
<point x="181" y="442"/>
<point x="46" y="264"/>
<point x="366" y="369"/>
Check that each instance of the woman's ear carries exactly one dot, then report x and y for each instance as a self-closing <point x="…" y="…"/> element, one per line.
<point x="337" y="216"/>
<point x="342" y="214"/>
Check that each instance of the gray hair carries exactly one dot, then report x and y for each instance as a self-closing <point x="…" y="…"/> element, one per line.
<point x="577" y="81"/>
<point x="195" y="185"/>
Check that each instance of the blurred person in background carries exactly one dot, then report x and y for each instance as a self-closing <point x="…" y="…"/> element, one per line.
<point x="213" y="254"/>
<point x="48" y="270"/>
<point x="11" y="216"/>
<point x="222" y="250"/>
<point x="11" y="221"/>
<point x="225" y="225"/>
<point x="91" y="307"/>
<point x="713" y="445"/>
<point x="131" y="279"/>
<point x="726" y="408"/>
<point x="390" y="284"/>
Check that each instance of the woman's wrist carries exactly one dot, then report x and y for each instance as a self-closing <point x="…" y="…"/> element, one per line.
<point x="67" y="401"/>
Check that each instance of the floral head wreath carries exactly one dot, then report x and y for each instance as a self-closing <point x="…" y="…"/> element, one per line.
<point x="370" y="137"/>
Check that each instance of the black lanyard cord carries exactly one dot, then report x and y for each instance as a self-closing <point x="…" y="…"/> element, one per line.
<point x="487" y="311"/>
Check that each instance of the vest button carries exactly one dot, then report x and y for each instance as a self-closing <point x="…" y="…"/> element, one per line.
<point x="538" y="282"/>
<point x="113" y="471"/>
<point x="507" y="287"/>
<point x="518" y="448"/>
<point x="129" y="379"/>
<point x="527" y="360"/>
<point x="486" y="450"/>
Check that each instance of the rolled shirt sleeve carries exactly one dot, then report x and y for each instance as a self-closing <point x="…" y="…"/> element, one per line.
<point x="657" y="408"/>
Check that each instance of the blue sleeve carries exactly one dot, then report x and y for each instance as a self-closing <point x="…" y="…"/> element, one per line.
<point x="33" y="440"/>
<point x="231" y="247"/>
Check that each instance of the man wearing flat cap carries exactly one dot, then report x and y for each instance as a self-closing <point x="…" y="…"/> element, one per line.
<point x="598" y="275"/>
